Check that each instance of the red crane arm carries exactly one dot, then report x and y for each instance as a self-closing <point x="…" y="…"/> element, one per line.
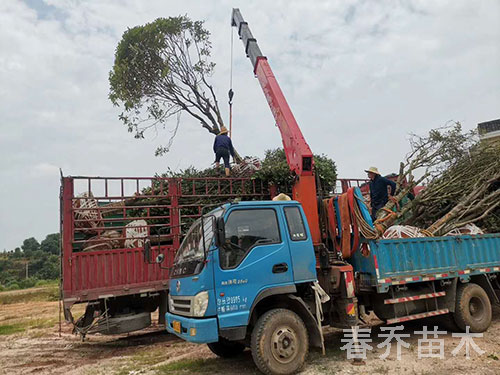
<point x="298" y="154"/>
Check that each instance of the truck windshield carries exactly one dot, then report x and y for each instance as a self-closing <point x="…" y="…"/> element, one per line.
<point x="191" y="254"/>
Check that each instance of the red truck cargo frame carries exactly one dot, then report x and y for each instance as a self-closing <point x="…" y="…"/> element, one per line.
<point x="100" y="274"/>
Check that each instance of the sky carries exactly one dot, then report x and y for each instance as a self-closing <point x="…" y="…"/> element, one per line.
<point x="359" y="76"/>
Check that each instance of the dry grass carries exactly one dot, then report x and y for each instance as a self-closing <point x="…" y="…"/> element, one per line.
<point x="37" y="294"/>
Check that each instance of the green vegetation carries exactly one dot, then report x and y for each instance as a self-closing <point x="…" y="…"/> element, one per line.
<point x="149" y="357"/>
<point x="209" y="366"/>
<point x="10" y="329"/>
<point x="41" y="260"/>
<point x="188" y="366"/>
<point x="162" y="69"/>
<point x="275" y="170"/>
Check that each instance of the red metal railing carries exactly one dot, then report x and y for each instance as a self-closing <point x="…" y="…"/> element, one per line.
<point x="343" y="184"/>
<point x="103" y="256"/>
<point x="105" y="221"/>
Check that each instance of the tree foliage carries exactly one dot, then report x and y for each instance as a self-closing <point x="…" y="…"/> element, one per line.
<point x="50" y="244"/>
<point x="42" y="260"/>
<point x="275" y="170"/>
<point x="30" y="246"/>
<point x="160" y="70"/>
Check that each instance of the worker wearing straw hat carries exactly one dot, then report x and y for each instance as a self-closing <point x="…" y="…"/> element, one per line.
<point x="378" y="190"/>
<point x="223" y="147"/>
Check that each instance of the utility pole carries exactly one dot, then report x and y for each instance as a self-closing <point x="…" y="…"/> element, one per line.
<point x="27" y="269"/>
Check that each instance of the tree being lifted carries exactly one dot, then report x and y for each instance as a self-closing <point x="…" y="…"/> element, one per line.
<point x="463" y="188"/>
<point x="162" y="69"/>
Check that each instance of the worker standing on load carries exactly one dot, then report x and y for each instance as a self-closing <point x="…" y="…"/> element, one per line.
<point x="223" y="147"/>
<point x="378" y="190"/>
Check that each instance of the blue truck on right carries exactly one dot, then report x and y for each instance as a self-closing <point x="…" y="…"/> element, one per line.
<point x="246" y="276"/>
<point x="413" y="278"/>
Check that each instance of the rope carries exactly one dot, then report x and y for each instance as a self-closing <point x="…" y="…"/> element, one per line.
<point x="231" y="61"/>
<point x="389" y="214"/>
<point x="332" y="221"/>
<point x="345" y="226"/>
<point x="366" y="229"/>
<point x="426" y="233"/>
<point x="405" y="231"/>
<point x="231" y="92"/>
<point x="352" y="223"/>
<point x="320" y="297"/>
<point x="379" y="222"/>
<point x="345" y="235"/>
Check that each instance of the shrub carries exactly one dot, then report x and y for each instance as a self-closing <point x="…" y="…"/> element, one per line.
<point x="12" y="286"/>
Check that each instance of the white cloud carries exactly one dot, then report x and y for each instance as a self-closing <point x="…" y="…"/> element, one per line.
<point x="45" y="170"/>
<point x="358" y="75"/>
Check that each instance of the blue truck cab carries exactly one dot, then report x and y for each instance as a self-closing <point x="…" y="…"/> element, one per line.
<point x="248" y="269"/>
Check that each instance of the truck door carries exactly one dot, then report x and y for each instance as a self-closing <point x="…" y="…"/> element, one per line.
<point x="301" y="246"/>
<point x="256" y="256"/>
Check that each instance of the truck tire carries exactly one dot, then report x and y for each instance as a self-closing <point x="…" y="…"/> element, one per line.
<point x="279" y="342"/>
<point x="226" y="349"/>
<point x="473" y="308"/>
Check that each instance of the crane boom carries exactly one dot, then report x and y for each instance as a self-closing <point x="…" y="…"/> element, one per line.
<point x="298" y="154"/>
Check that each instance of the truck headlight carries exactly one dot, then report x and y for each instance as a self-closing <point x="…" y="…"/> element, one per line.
<point x="170" y="303"/>
<point x="200" y="303"/>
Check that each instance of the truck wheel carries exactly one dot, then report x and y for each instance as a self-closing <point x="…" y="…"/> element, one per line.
<point x="279" y="342"/>
<point x="473" y="308"/>
<point x="226" y="349"/>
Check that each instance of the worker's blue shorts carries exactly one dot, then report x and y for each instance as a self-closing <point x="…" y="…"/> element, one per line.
<point x="224" y="154"/>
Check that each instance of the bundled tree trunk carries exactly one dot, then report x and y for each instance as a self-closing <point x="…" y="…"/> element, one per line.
<point x="463" y="184"/>
<point x="473" y="208"/>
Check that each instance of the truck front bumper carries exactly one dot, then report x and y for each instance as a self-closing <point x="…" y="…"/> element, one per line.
<point x="202" y="331"/>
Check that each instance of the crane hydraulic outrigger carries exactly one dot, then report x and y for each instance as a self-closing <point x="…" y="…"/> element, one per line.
<point x="298" y="154"/>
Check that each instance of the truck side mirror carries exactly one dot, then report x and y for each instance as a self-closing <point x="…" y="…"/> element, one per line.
<point x="220" y="232"/>
<point x="147" y="251"/>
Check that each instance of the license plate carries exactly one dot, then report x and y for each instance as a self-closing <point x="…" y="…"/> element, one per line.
<point x="177" y="326"/>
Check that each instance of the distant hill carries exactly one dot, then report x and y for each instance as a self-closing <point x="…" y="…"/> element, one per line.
<point x="37" y="261"/>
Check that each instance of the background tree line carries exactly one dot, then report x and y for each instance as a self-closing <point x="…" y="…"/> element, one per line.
<point x="42" y="259"/>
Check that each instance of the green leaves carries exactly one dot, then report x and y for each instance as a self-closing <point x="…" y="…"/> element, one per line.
<point x="275" y="170"/>
<point x="160" y="70"/>
<point x="42" y="259"/>
<point x="326" y="171"/>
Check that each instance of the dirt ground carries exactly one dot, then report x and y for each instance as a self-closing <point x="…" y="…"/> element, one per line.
<point x="30" y="344"/>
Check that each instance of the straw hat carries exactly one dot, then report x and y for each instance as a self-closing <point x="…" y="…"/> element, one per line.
<point x="223" y="130"/>
<point x="282" y="197"/>
<point x="372" y="170"/>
